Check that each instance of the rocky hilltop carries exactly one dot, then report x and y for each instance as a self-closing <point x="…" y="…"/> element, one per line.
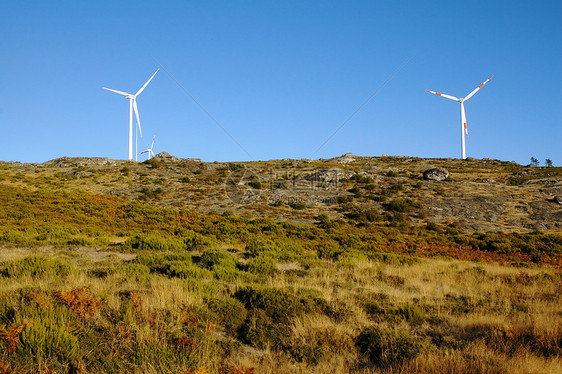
<point x="469" y="195"/>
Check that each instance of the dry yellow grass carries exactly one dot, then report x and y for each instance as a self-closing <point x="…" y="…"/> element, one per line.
<point x="477" y="317"/>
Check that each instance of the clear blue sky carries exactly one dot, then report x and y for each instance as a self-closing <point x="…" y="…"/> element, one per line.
<point x="281" y="77"/>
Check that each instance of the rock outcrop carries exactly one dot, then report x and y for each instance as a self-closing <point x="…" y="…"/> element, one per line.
<point x="436" y="174"/>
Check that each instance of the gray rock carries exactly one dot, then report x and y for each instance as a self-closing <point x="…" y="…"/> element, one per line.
<point x="488" y="180"/>
<point x="436" y="174"/>
<point x="329" y="175"/>
<point x="165" y="156"/>
<point x="343" y="159"/>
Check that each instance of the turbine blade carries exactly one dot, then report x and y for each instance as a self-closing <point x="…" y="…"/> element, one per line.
<point x="443" y="95"/>
<point x="477" y="88"/>
<point x="136" y="108"/>
<point x="119" y="92"/>
<point x="152" y="145"/>
<point x="147" y="82"/>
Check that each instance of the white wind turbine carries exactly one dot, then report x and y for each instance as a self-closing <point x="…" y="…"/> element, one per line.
<point x="464" y="129"/>
<point x="149" y="150"/>
<point x="132" y="106"/>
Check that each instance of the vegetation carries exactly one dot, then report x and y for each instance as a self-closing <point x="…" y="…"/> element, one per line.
<point x="98" y="283"/>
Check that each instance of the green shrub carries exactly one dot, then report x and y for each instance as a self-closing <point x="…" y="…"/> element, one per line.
<point x="311" y="354"/>
<point x="230" y="312"/>
<point x="149" y="259"/>
<point x="373" y="307"/>
<point x="194" y="240"/>
<point x="153" y="162"/>
<point x="364" y="215"/>
<point x="38" y="267"/>
<point x="260" y="330"/>
<point x="278" y="304"/>
<point x="154" y="242"/>
<point x="344" y="199"/>
<point x="297" y="205"/>
<point x="401" y="205"/>
<point x="432" y="226"/>
<point x="263" y="264"/>
<point x="184" y="270"/>
<point x="12" y="236"/>
<point x="393" y="258"/>
<point x="214" y="258"/>
<point x="133" y="271"/>
<point x="411" y="313"/>
<point x="80" y="241"/>
<point x="281" y="248"/>
<point x="47" y="342"/>
<point x="226" y="273"/>
<point x="387" y="347"/>
<point x="328" y="250"/>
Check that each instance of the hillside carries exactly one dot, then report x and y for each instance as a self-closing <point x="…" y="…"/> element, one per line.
<point x="347" y="265"/>
<point x="478" y="196"/>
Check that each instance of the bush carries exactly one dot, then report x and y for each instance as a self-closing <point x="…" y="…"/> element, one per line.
<point x="194" y="240"/>
<point x="230" y="312"/>
<point x="260" y="330"/>
<point x="153" y="162"/>
<point x="297" y="205"/>
<point x="132" y="271"/>
<point x="217" y="258"/>
<point x="185" y="270"/>
<point x="255" y="185"/>
<point x="154" y="261"/>
<point x="411" y="313"/>
<point x="311" y="354"/>
<point x="387" y="347"/>
<point x="393" y="259"/>
<point x="47" y="342"/>
<point x="153" y="242"/>
<point x="277" y="304"/>
<point x="401" y="205"/>
<point x="373" y="307"/>
<point x="12" y="236"/>
<point x="328" y="250"/>
<point x="38" y="267"/>
<point x="364" y="215"/>
<point x="263" y="264"/>
<point x="80" y="241"/>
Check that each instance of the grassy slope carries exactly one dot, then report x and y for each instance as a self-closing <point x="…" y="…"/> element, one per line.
<point x="120" y="285"/>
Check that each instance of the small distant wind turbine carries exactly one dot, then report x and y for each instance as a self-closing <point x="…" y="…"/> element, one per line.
<point x="149" y="150"/>
<point x="464" y="129"/>
<point x="132" y="106"/>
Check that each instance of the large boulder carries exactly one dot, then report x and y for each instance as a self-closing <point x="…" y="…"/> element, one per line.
<point x="165" y="156"/>
<point x="343" y="159"/>
<point x="436" y="174"/>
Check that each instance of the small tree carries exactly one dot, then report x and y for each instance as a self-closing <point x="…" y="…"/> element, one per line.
<point x="548" y="162"/>
<point x="534" y="161"/>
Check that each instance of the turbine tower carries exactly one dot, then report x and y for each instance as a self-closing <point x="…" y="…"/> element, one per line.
<point x="149" y="150"/>
<point x="133" y="106"/>
<point x="464" y="129"/>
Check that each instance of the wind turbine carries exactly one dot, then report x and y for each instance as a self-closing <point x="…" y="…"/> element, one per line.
<point x="132" y="106"/>
<point x="464" y="129"/>
<point x="149" y="150"/>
